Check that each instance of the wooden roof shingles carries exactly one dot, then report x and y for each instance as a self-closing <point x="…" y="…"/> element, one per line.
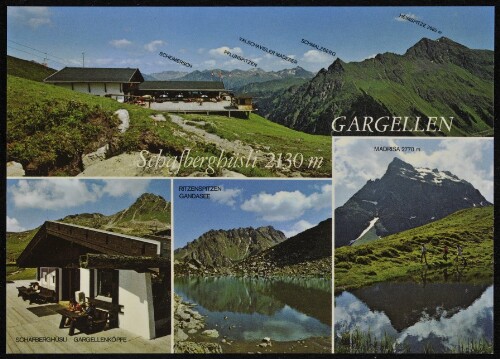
<point x="96" y="74"/>
<point x="58" y="244"/>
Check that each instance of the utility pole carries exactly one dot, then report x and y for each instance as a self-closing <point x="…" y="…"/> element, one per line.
<point x="83" y="59"/>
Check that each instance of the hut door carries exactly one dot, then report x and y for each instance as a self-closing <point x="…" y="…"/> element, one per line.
<point x="70" y="282"/>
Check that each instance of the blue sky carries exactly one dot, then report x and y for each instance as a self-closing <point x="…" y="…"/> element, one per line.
<point x="34" y="201"/>
<point x="288" y="205"/>
<point x="133" y="36"/>
<point x="355" y="161"/>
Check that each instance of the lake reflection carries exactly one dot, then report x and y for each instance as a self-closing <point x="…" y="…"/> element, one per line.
<point x="253" y="308"/>
<point x="437" y="315"/>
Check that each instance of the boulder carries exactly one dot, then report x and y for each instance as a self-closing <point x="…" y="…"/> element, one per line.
<point x="15" y="169"/>
<point x="211" y="333"/>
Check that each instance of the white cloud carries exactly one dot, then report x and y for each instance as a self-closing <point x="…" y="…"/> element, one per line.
<point x="220" y="51"/>
<point x="226" y="196"/>
<point x="51" y="194"/>
<point x="316" y="57"/>
<point x="410" y="15"/>
<point x="466" y="323"/>
<point x="36" y="22"/>
<point x="118" y="188"/>
<point x="372" y="56"/>
<point x="129" y="62"/>
<point x="69" y="192"/>
<point x="105" y="61"/>
<point x="201" y="50"/>
<point x="13" y="225"/>
<point x="33" y="16"/>
<point x="75" y="62"/>
<point x="297" y="228"/>
<point x="285" y="206"/>
<point x="154" y="45"/>
<point x="120" y="44"/>
<point x="210" y="63"/>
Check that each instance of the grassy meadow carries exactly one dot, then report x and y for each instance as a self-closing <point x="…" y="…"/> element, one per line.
<point x="397" y="256"/>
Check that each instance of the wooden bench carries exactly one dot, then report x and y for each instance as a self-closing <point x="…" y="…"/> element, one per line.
<point x="47" y="295"/>
<point x="21" y="290"/>
<point x="27" y="294"/>
<point x="98" y="321"/>
<point x="113" y="310"/>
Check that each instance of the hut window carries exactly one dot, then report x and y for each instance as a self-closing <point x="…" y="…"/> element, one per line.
<point x="88" y="85"/>
<point x="105" y="88"/>
<point x="105" y="282"/>
<point x="72" y="86"/>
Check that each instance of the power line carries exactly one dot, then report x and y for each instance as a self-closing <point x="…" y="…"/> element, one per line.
<point x="30" y="53"/>
<point x="32" y="48"/>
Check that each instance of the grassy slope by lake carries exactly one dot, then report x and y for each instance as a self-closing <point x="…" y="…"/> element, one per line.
<point x="49" y="128"/>
<point x="397" y="256"/>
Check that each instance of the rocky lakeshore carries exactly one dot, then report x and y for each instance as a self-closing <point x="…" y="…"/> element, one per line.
<point x="192" y="336"/>
<point x="316" y="268"/>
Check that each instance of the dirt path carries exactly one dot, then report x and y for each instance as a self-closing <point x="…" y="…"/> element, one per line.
<point x="236" y="146"/>
<point x="126" y="164"/>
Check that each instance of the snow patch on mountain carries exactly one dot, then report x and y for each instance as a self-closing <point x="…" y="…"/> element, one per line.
<point x="427" y="175"/>
<point x="372" y="223"/>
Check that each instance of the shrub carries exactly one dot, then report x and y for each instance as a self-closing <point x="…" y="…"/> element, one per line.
<point x="363" y="260"/>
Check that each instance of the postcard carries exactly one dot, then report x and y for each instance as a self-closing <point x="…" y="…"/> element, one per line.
<point x="254" y="274"/>
<point x="88" y="266"/>
<point x="249" y="179"/>
<point x="414" y="245"/>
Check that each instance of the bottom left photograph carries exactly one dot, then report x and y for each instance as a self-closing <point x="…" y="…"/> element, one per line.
<point x="88" y="266"/>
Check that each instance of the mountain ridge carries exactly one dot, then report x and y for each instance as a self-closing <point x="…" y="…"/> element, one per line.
<point x="220" y="248"/>
<point x="404" y="197"/>
<point x="433" y="78"/>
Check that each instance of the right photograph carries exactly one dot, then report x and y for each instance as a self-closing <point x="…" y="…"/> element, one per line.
<point x="413" y="237"/>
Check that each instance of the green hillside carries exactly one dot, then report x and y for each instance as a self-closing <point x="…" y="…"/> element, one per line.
<point x="49" y="129"/>
<point x="433" y="78"/>
<point x="267" y="88"/>
<point x="398" y="256"/>
<point x="264" y="93"/>
<point x="149" y="212"/>
<point x="27" y="69"/>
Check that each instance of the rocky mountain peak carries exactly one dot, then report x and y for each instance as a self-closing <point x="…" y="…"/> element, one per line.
<point x="221" y="248"/>
<point x="397" y="165"/>
<point x="405" y="197"/>
<point x="442" y="49"/>
<point x="434" y="176"/>
<point x="337" y="66"/>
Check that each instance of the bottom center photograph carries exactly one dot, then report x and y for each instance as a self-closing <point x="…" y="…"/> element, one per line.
<point x="252" y="266"/>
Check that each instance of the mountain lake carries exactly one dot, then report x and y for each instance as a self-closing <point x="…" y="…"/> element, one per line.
<point x="419" y="317"/>
<point x="250" y="309"/>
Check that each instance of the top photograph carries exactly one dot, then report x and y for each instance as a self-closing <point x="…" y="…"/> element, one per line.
<point x="236" y="91"/>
